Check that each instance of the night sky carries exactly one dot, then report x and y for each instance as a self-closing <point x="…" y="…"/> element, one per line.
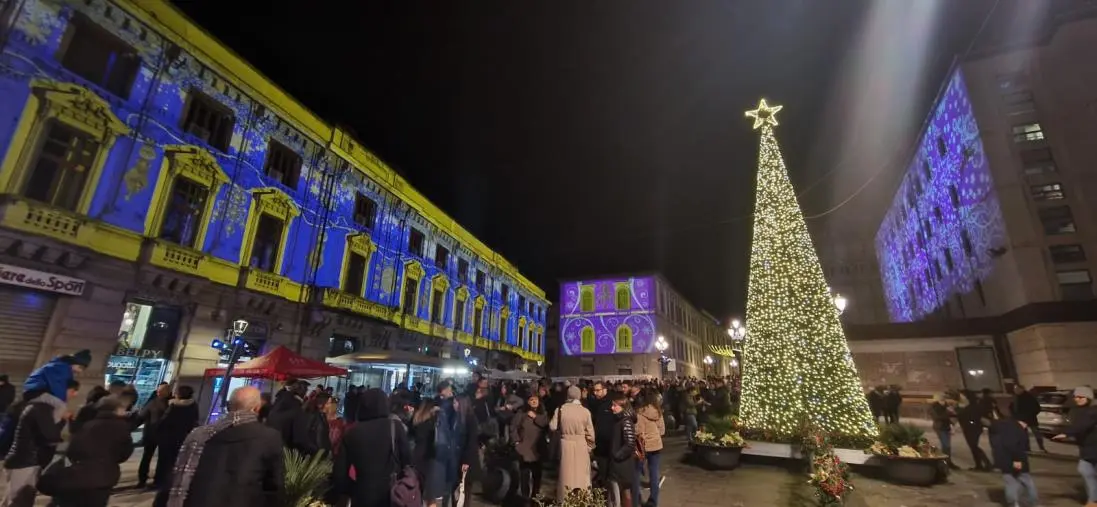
<point x="587" y="137"/>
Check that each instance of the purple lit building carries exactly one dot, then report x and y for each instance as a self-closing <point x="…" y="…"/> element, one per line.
<point x="609" y="326"/>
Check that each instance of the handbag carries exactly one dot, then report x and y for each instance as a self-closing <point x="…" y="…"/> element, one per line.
<point x="404" y="482"/>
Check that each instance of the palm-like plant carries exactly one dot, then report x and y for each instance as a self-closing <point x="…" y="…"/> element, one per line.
<point x="306" y="477"/>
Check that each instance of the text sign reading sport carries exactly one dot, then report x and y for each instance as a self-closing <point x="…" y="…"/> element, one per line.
<point x="23" y="277"/>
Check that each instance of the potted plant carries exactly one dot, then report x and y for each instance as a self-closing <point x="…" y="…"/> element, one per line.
<point x="306" y="478"/>
<point x="828" y="474"/>
<point x="590" y="497"/>
<point x="718" y="445"/>
<point x="500" y="480"/>
<point x="907" y="456"/>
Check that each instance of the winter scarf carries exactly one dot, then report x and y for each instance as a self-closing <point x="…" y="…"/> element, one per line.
<point x="191" y="453"/>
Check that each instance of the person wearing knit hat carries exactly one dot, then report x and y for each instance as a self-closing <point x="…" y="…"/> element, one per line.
<point x="1083" y="429"/>
<point x="54" y="376"/>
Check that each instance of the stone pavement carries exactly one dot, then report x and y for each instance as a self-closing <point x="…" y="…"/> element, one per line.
<point x="767" y="485"/>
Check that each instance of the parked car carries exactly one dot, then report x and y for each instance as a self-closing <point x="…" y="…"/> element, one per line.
<point x="1054" y="414"/>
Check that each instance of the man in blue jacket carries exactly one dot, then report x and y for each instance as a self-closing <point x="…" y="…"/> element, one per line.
<point x="1009" y="446"/>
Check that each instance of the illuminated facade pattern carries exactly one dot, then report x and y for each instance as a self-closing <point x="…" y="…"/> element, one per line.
<point x="121" y="136"/>
<point x="612" y="316"/>
<point x="945" y="223"/>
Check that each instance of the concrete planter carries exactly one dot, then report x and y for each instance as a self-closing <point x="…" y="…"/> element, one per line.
<point x="913" y="471"/>
<point x="716" y="457"/>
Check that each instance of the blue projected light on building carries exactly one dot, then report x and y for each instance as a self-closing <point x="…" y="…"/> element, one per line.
<point x="945" y="222"/>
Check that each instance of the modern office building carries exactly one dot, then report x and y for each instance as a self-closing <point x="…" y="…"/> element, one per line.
<point x="609" y="326"/>
<point x="154" y="188"/>
<point x="993" y="226"/>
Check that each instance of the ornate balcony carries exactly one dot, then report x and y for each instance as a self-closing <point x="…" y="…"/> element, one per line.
<point x="192" y="262"/>
<point x="270" y="283"/>
<point x="465" y="338"/>
<point x="440" y="330"/>
<point x="62" y="225"/>
<point x="335" y="298"/>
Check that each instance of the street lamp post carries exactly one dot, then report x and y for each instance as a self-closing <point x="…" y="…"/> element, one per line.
<point x="840" y="301"/>
<point x="737" y="332"/>
<point x="661" y="346"/>
<point x="708" y="364"/>
<point x="236" y="346"/>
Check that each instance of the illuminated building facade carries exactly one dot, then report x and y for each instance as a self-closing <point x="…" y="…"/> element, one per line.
<point x="991" y="233"/>
<point x="609" y="326"/>
<point x="155" y="187"/>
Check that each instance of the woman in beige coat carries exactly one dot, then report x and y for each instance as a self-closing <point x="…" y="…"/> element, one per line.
<point x="650" y="429"/>
<point x="576" y="441"/>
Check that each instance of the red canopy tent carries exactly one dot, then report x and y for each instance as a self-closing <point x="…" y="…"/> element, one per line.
<point x="280" y="364"/>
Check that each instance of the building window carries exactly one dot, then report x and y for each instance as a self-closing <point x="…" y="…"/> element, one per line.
<point x="208" y="120"/>
<point x="459" y="315"/>
<point x="948" y="259"/>
<point x="441" y="257"/>
<point x="1057" y="220"/>
<point x="436" y="306"/>
<point x="954" y="196"/>
<point x="481" y="281"/>
<point x="1037" y="161"/>
<point x="478" y="321"/>
<point x="282" y="164"/>
<point x="95" y="54"/>
<point x="587" y="339"/>
<point x="521" y="303"/>
<point x="268" y="239"/>
<point x="502" y="329"/>
<point x="354" y="280"/>
<point x="965" y="242"/>
<point x="942" y="150"/>
<point x="623" y="298"/>
<point x="521" y="336"/>
<point x="1076" y="284"/>
<point x="1066" y="254"/>
<point x="1028" y="132"/>
<point x="624" y="339"/>
<point x="415" y="242"/>
<point x="586" y="299"/>
<point x="980" y="293"/>
<point x="1048" y="192"/>
<point x="462" y="270"/>
<point x="504" y="294"/>
<point x="411" y="296"/>
<point x="183" y="213"/>
<point x="937" y="268"/>
<point x="60" y="172"/>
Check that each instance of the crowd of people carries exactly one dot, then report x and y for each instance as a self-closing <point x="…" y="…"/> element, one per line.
<point x="411" y="448"/>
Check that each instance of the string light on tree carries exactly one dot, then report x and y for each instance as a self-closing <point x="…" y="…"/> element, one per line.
<point x="796" y="363"/>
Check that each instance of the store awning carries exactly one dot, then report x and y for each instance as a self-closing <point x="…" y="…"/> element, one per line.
<point x="280" y="364"/>
<point x="393" y="356"/>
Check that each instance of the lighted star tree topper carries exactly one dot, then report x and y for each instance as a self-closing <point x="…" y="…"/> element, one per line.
<point x="797" y="367"/>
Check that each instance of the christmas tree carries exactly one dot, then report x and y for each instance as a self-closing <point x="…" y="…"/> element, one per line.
<point x="797" y="368"/>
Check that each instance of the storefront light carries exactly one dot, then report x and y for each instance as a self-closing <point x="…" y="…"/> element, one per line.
<point x="239" y="326"/>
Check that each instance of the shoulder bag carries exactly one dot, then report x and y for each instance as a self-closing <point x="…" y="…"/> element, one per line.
<point x="404" y="482"/>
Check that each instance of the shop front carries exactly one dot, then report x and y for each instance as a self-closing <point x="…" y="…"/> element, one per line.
<point x="27" y="301"/>
<point x="146" y="339"/>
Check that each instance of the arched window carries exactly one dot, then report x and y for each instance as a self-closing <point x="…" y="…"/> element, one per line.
<point x="624" y="339"/>
<point x="623" y="297"/>
<point x="586" y="299"/>
<point x="587" y="336"/>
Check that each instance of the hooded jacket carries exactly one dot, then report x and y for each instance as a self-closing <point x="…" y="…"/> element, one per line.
<point x="650" y="428"/>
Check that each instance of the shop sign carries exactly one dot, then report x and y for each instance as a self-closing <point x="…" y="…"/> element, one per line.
<point x="23" y="277"/>
<point x="139" y="353"/>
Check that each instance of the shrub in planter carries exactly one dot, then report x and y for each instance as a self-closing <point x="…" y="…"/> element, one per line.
<point x="908" y="456"/>
<point x="575" y="498"/>
<point x="306" y="478"/>
<point x="718" y="444"/>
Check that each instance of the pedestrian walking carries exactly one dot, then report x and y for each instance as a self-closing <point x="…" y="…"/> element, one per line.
<point x="92" y="465"/>
<point x="1009" y="445"/>
<point x="440" y="434"/>
<point x="603" y="420"/>
<point x="37" y="432"/>
<point x="577" y="438"/>
<point x="90" y="409"/>
<point x="527" y="430"/>
<point x="624" y="449"/>
<point x="179" y="420"/>
<point x="235" y="461"/>
<point x="689" y="413"/>
<point x="376" y="448"/>
<point x="1026" y="408"/>
<point x="650" y="428"/>
<point x="892" y="403"/>
<point x="1083" y="429"/>
<point x="971" y="417"/>
<point x="288" y="405"/>
<point x="311" y="433"/>
<point x="149" y="417"/>
<point x="941" y="413"/>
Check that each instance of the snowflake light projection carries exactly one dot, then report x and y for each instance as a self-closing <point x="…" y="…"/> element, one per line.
<point x="945" y="222"/>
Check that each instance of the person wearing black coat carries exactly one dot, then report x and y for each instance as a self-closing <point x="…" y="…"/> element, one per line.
<point x="892" y="402"/>
<point x="288" y="405"/>
<point x="7" y="394"/>
<point x="311" y="433"/>
<point x="180" y="418"/>
<point x="1026" y="408"/>
<point x="623" y="448"/>
<point x="876" y="403"/>
<point x="368" y="447"/>
<point x="95" y="454"/>
<point x="970" y="416"/>
<point x="1083" y="429"/>
<point x="602" y="416"/>
<point x="34" y="444"/>
<point x="150" y="417"/>
<point x="240" y="465"/>
<point x="90" y="409"/>
<point x="1009" y="446"/>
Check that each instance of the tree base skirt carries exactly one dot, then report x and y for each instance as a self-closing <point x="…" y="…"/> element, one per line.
<point x="789" y="451"/>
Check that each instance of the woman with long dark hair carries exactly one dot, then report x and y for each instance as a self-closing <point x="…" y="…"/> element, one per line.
<point x="527" y="432"/>
<point x="375" y="447"/>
